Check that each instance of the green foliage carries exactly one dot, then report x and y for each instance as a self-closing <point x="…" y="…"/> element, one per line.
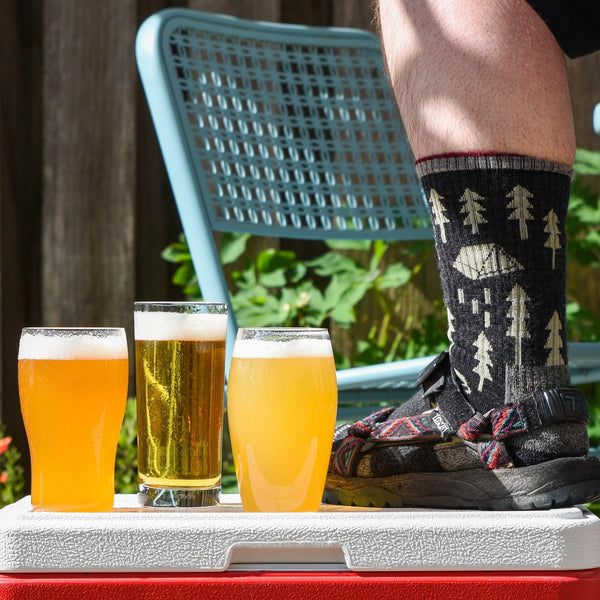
<point x="126" y="459"/>
<point x="11" y="472"/>
<point x="593" y="397"/>
<point x="583" y="231"/>
<point x="277" y="288"/>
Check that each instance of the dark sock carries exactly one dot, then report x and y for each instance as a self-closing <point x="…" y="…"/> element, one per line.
<point x="499" y="225"/>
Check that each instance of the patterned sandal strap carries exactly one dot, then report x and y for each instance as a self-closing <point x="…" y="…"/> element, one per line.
<point x="452" y="416"/>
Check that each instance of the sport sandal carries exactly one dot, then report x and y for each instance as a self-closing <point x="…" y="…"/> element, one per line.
<point x="437" y="451"/>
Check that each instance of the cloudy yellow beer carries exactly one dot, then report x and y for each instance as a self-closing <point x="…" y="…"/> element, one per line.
<point x="73" y="390"/>
<point x="180" y="366"/>
<point x="282" y="400"/>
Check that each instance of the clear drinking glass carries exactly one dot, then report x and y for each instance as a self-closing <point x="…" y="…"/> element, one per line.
<point x="73" y="391"/>
<point x="282" y="402"/>
<point x="180" y="375"/>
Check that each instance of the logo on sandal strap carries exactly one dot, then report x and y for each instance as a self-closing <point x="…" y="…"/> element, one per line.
<point x="441" y="423"/>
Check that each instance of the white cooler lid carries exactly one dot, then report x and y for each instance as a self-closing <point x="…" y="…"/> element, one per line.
<point x="134" y="539"/>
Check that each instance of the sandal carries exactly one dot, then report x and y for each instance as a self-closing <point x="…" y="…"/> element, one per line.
<point x="437" y="451"/>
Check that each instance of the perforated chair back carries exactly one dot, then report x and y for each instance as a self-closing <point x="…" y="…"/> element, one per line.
<point x="293" y="130"/>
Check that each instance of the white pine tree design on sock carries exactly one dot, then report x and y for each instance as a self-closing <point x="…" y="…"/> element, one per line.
<point x="451" y="329"/>
<point x="520" y="202"/>
<point x="518" y="315"/>
<point x="553" y="241"/>
<point x="484" y="361"/>
<point x="463" y="382"/>
<point x="554" y="342"/>
<point x="473" y="210"/>
<point x="437" y="213"/>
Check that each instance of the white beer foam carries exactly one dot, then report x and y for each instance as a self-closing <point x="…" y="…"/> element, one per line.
<point x="186" y="327"/>
<point x="303" y="348"/>
<point x="70" y="347"/>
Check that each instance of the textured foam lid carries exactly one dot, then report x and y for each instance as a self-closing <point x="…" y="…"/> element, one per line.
<point x="131" y="539"/>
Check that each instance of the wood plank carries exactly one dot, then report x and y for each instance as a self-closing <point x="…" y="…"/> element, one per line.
<point x="156" y="221"/>
<point x="354" y="13"/>
<point x="89" y="152"/>
<point x="264" y="10"/>
<point x="20" y="198"/>
<point x="585" y="94"/>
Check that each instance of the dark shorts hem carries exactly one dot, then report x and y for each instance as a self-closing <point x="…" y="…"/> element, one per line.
<point x="574" y="23"/>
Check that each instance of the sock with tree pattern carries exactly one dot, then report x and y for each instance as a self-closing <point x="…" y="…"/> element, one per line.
<point x="499" y="224"/>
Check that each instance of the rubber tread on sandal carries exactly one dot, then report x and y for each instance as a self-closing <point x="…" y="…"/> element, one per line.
<point x="552" y="484"/>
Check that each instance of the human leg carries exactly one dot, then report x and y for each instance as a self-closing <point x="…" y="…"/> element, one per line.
<point x="477" y="76"/>
<point x="482" y="89"/>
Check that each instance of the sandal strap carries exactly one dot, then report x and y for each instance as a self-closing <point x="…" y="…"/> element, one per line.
<point x="453" y="415"/>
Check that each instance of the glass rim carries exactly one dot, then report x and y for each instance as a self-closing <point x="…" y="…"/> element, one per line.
<point x="170" y="306"/>
<point x="281" y="334"/>
<point x="285" y="329"/>
<point x="32" y="330"/>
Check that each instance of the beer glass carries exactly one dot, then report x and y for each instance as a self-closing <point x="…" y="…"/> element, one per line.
<point x="180" y="374"/>
<point x="282" y="402"/>
<point x="73" y="391"/>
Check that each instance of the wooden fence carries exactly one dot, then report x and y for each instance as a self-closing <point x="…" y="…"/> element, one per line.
<point x="85" y="206"/>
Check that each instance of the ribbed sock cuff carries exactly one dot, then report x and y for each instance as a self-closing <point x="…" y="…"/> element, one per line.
<point x="440" y="163"/>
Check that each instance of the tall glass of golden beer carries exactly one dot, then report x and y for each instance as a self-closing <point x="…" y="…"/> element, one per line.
<point x="180" y="375"/>
<point x="282" y="401"/>
<point x="73" y="391"/>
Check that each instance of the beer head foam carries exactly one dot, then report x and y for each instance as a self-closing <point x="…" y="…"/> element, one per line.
<point x="70" y="346"/>
<point x="302" y="348"/>
<point x="186" y="327"/>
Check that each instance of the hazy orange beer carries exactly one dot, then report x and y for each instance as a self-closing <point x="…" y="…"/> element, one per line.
<point x="73" y="390"/>
<point x="282" y="402"/>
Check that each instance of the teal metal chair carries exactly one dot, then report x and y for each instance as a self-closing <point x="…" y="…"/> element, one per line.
<point x="286" y="131"/>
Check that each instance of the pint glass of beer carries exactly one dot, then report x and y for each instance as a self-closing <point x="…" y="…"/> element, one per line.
<point x="73" y="390"/>
<point x="180" y="374"/>
<point x="282" y="401"/>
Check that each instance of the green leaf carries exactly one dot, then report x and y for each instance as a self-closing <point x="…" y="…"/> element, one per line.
<point x="176" y="252"/>
<point x="297" y="272"/>
<point x="184" y="275"/>
<point x="193" y="291"/>
<point x="271" y="260"/>
<point x="587" y="162"/>
<point x="344" y="315"/>
<point x="395" y="276"/>
<point x="336" y="289"/>
<point x="262" y="314"/>
<point x="311" y="300"/>
<point x="341" y="361"/>
<point x="332" y="263"/>
<point x="356" y="293"/>
<point x="275" y="278"/>
<point x="245" y="279"/>
<point x="380" y="248"/>
<point x="233" y="245"/>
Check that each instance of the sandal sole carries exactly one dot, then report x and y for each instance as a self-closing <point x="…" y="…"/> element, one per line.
<point x="553" y="484"/>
